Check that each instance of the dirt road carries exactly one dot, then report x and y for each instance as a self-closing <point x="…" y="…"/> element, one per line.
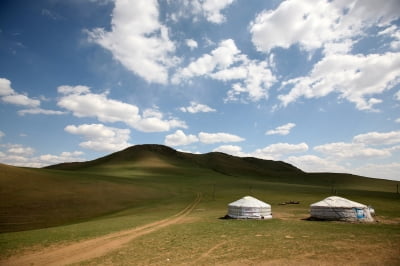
<point x="96" y="247"/>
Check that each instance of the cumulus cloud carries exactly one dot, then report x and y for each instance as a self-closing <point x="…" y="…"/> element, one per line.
<point x="83" y="103"/>
<point x="319" y="24"/>
<point x="2" y="134"/>
<point x="192" y="44"/>
<point x="312" y="163"/>
<point x="276" y="151"/>
<point x="20" y="150"/>
<point x="397" y="95"/>
<point x="101" y="138"/>
<point x="197" y="108"/>
<point x="356" y="78"/>
<point x="210" y="138"/>
<point x="138" y="40"/>
<point x="8" y="95"/>
<point x="221" y="57"/>
<point x="386" y="171"/>
<point x="179" y="138"/>
<point x="226" y="63"/>
<point x="48" y="159"/>
<point x="37" y="111"/>
<point x="393" y="31"/>
<point x="20" y="99"/>
<point x="20" y="155"/>
<point x="342" y="150"/>
<point x="281" y="130"/>
<point x="231" y="149"/>
<point x="360" y="147"/>
<point x="211" y="10"/>
<point x="334" y="27"/>
<point x="378" y="138"/>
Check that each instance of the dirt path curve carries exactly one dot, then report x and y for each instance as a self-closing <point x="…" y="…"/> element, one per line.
<point x="96" y="247"/>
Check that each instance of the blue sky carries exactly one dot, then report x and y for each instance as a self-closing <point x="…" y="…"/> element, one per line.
<point x="312" y="83"/>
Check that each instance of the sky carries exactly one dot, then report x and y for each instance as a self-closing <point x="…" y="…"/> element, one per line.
<point x="314" y="83"/>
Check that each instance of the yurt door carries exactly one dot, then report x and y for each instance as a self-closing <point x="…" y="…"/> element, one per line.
<point x="360" y="213"/>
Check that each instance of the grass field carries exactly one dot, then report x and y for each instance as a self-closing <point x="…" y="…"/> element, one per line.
<point x="49" y="209"/>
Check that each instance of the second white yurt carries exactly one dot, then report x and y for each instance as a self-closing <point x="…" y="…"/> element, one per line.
<point x="249" y="208"/>
<point x="340" y="209"/>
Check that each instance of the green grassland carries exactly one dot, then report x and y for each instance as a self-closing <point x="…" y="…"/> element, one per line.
<point x="75" y="201"/>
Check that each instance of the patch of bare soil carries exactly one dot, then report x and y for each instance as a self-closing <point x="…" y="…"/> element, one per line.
<point x="93" y="248"/>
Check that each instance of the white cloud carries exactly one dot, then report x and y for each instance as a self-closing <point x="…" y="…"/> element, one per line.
<point x="231" y="149"/>
<point x="319" y="24"/>
<point x="83" y="103"/>
<point x="226" y="63"/>
<point x="2" y="134"/>
<point x="8" y="95"/>
<point x="36" y="111"/>
<point x="100" y="137"/>
<point x="360" y="148"/>
<point x="20" y="150"/>
<point x="393" y="31"/>
<point x="48" y="159"/>
<point x="354" y="77"/>
<point x="212" y="10"/>
<point x="397" y="95"/>
<point x="386" y="171"/>
<point x="5" y="87"/>
<point x="179" y="138"/>
<point x="342" y="150"/>
<point x="312" y="163"/>
<point x="20" y="99"/>
<point x="397" y="120"/>
<point x="334" y="27"/>
<point x="276" y="151"/>
<point x="19" y="155"/>
<point x="197" y="108"/>
<point x="210" y="138"/>
<point x="220" y="58"/>
<point x="192" y="44"/>
<point x="256" y="82"/>
<point x="138" y="40"/>
<point x="378" y="138"/>
<point x="196" y="9"/>
<point x="281" y="130"/>
<point x="66" y="89"/>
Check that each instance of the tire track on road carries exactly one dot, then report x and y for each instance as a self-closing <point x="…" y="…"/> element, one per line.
<point x="96" y="247"/>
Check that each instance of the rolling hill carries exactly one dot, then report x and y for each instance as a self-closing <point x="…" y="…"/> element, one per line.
<point x="71" y="192"/>
<point x="153" y="203"/>
<point x="162" y="159"/>
<point x="159" y="156"/>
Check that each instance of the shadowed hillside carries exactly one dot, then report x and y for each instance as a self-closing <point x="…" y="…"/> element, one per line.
<point x="163" y="159"/>
<point x="159" y="156"/>
<point x="145" y="174"/>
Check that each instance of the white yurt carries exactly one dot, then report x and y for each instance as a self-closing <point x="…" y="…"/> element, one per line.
<point x="340" y="209"/>
<point x="249" y="208"/>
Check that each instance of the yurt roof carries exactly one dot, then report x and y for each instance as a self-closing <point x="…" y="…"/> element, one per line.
<point x="249" y="201"/>
<point x="339" y="202"/>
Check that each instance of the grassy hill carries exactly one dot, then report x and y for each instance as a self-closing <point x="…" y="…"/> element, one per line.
<point x="72" y="192"/>
<point x="70" y="202"/>
<point x="165" y="160"/>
